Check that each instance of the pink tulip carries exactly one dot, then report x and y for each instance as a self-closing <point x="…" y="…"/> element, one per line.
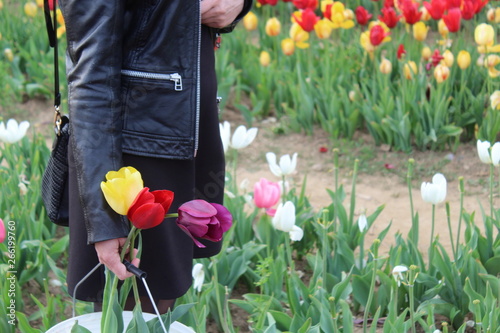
<point x="200" y="219"/>
<point x="2" y="231"/>
<point x="266" y="194"/>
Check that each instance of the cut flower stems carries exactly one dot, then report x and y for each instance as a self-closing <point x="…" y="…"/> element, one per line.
<point x="329" y="279"/>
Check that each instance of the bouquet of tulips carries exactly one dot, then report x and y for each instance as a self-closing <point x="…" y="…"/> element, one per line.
<point x="125" y="192"/>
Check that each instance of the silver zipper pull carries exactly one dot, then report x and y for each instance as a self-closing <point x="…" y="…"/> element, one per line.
<point x="177" y="80"/>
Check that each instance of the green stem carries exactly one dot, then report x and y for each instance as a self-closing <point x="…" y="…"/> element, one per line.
<point x="288" y="250"/>
<point x="492" y="176"/>
<point x="376" y="244"/>
<point x="220" y="313"/>
<point x="325" y="246"/>
<point x="448" y="218"/>
<point x="353" y="192"/>
<point x="431" y="246"/>
<point x="462" y="191"/>
<point x="411" y="286"/>
<point x="414" y="224"/>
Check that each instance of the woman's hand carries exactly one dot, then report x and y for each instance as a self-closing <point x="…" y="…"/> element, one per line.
<point x="108" y="252"/>
<point x="220" y="13"/>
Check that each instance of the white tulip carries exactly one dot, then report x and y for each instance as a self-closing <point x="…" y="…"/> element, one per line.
<point x="286" y="166"/>
<point x="243" y="137"/>
<point x="397" y="272"/>
<point x="488" y="154"/>
<point x="284" y="219"/>
<point x="225" y="134"/>
<point x="362" y="223"/>
<point x="198" y="276"/>
<point x="296" y="234"/>
<point x="434" y="192"/>
<point x="13" y="132"/>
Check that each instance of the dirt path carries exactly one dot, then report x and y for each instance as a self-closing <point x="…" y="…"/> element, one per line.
<point x="381" y="179"/>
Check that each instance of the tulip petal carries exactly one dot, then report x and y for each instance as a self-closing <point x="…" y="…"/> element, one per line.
<point x="495" y="154"/>
<point x="198" y="243"/>
<point x="198" y="208"/>
<point x="164" y="197"/>
<point x="144" y="197"/>
<point x="148" y="216"/>
<point x="224" y="216"/>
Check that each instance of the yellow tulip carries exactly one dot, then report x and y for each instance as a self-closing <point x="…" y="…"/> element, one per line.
<point x="30" y="9"/>
<point x="364" y="40"/>
<point x="59" y="16"/>
<point x="448" y="58"/>
<point x="426" y="53"/>
<point x="463" y="59"/>
<point x="325" y="3"/>
<point x="8" y="54"/>
<point x="426" y="16"/>
<point x="410" y="69"/>
<point x="349" y="14"/>
<point x="491" y="61"/>
<point x="443" y="29"/>
<point x="273" y="27"/>
<point x="288" y="46"/>
<point x="323" y="28"/>
<point x="441" y="73"/>
<point x="420" y="31"/>
<point x="489" y="49"/>
<point x="39" y="3"/>
<point x="121" y="188"/>
<point x="493" y="15"/>
<point x="484" y="34"/>
<point x="299" y="36"/>
<point x="495" y="100"/>
<point x="352" y="96"/>
<point x="265" y="58"/>
<point x="1" y="5"/>
<point x="250" y="21"/>
<point x="385" y="66"/>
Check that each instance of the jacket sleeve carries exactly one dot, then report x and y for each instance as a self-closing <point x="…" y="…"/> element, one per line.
<point x="93" y="62"/>
<point x="246" y="8"/>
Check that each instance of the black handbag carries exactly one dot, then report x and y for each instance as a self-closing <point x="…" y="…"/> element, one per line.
<point x="55" y="177"/>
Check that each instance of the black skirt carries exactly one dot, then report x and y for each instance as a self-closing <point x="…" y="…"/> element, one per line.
<point x="167" y="252"/>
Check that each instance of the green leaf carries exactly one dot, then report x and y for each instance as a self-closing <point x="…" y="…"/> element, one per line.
<point x="283" y="321"/>
<point x="137" y="324"/>
<point x="492" y="266"/>
<point x="79" y="329"/>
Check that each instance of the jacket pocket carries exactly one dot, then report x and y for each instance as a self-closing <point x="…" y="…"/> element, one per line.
<point x="159" y="114"/>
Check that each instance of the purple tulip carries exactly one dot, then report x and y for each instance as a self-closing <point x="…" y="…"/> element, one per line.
<point x="200" y="219"/>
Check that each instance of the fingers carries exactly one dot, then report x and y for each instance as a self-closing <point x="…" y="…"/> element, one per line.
<point x="220" y="13"/>
<point x="108" y="253"/>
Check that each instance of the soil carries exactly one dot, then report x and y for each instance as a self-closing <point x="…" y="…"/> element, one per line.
<point x="381" y="178"/>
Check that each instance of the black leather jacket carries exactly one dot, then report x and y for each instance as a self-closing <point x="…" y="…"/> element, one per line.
<point x="133" y="87"/>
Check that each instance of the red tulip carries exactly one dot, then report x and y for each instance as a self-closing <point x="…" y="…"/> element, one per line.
<point x="266" y="194"/>
<point x="307" y="20"/>
<point x="268" y="2"/>
<point x="454" y="4"/>
<point x="436" y="58"/>
<point x="389" y="3"/>
<point x="377" y="35"/>
<point x="401" y="51"/>
<point x="362" y="15"/>
<point x="452" y="19"/>
<point x="389" y="17"/>
<point x="436" y="8"/>
<point x="149" y="208"/>
<point x="303" y="4"/>
<point x="469" y="9"/>
<point x="480" y="5"/>
<point x="410" y="11"/>
<point x="200" y="219"/>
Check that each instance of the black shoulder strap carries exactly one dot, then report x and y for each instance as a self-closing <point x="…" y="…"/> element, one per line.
<point x="52" y="34"/>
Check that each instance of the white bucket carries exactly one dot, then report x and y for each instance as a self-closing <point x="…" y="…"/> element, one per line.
<point x="92" y="322"/>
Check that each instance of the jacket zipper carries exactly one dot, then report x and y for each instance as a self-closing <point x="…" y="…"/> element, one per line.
<point x="197" y="123"/>
<point x="175" y="77"/>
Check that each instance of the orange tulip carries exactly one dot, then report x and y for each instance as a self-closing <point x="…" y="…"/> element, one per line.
<point x="288" y="46"/>
<point x="441" y="73"/>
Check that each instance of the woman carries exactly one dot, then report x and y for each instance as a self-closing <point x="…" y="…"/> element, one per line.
<point x="142" y="93"/>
